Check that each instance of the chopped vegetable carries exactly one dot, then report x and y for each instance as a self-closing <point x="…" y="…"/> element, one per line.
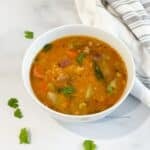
<point x="89" y="92"/>
<point x="75" y="44"/>
<point x="86" y="50"/>
<point x="89" y="145"/>
<point x="111" y="86"/>
<point x="28" y="34"/>
<point x="79" y="70"/>
<point x="13" y="102"/>
<point x="52" y="96"/>
<point x="63" y="77"/>
<point x="98" y="73"/>
<point x="24" y="136"/>
<point x="51" y="87"/>
<point x="80" y="58"/>
<point x="82" y="105"/>
<point x="71" y="54"/>
<point x="64" y="63"/>
<point x="68" y="90"/>
<point x="118" y="74"/>
<point x="47" y="47"/>
<point x="96" y="56"/>
<point x="38" y="72"/>
<point x="18" y="113"/>
<point x="43" y="86"/>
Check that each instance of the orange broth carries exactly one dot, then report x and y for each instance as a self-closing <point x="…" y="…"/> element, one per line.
<point x="78" y="75"/>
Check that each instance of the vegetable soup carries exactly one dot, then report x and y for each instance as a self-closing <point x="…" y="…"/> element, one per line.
<point x="78" y="75"/>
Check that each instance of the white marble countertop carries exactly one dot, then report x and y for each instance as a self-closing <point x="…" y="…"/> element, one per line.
<point x="126" y="129"/>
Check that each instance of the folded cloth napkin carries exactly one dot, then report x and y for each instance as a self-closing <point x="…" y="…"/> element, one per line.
<point x="129" y="21"/>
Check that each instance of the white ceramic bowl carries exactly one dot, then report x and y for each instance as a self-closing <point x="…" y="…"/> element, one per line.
<point x="78" y="30"/>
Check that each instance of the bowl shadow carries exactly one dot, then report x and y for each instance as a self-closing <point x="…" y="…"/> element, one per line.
<point x="126" y="119"/>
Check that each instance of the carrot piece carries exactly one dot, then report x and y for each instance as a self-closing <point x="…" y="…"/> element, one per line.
<point x="43" y="87"/>
<point x="38" y="72"/>
<point x="71" y="54"/>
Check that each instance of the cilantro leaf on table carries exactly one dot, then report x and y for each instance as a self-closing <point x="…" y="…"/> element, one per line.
<point x="28" y="34"/>
<point x="89" y="145"/>
<point x="24" y="136"/>
<point x="18" y="113"/>
<point x="13" y="102"/>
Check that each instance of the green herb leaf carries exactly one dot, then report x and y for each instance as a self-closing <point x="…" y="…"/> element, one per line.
<point x="13" y="102"/>
<point x="110" y="89"/>
<point x="68" y="90"/>
<point x="24" y="136"/>
<point x="98" y="73"/>
<point x="18" y="113"/>
<point x="80" y="58"/>
<point x="89" y="145"/>
<point x="47" y="47"/>
<point x="111" y="86"/>
<point x="28" y="34"/>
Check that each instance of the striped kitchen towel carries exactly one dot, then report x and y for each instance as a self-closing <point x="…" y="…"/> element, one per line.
<point x="135" y="14"/>
<point x="128" y="20"/>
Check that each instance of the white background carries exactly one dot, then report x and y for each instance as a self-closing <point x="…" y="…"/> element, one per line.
<point x="127" y="129"/>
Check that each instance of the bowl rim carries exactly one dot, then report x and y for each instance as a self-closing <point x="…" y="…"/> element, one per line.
<point x="114" y="106"/>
